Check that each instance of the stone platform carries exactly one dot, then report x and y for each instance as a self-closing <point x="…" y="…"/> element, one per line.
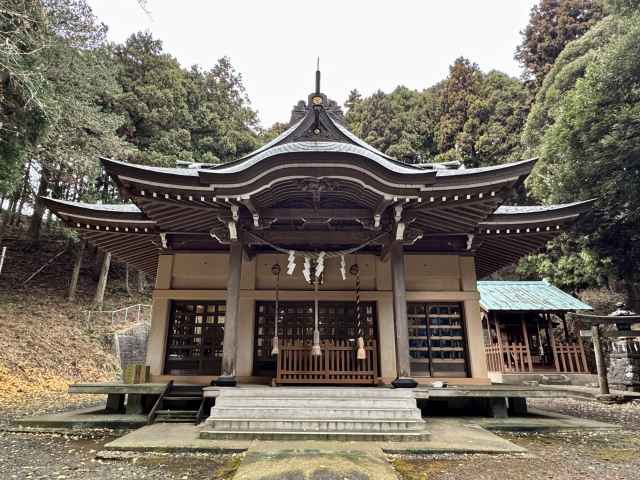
<point x="315" y="413"/>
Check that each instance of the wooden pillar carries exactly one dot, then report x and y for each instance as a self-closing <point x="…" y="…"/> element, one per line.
<point x="140" y="281"/>
<point x="525" y="334"/>
<point x="102" y="281"/>
<point x="564" y="326"/>
<point x="403" y="366"/>
<point x="75" y="276"/>
<point x="601" y="366"/>
<point x="230" y="341"/>
<point x="503" y="365"/>
<point x="552" y="341"/>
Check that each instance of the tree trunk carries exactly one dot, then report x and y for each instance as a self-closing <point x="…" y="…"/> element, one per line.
<point x="126" y="279"/>
<point x="24" y="191"/>
<point x="98" y="301"/>
<point x="633" y="294"/>
<point x="99" y="258"/>
<point x="38" y="209"/>
<point x="7" y="217"/>
<point x="73" y="286"/>
<point x="12" y="208"/>
<point x="140" y="281"/>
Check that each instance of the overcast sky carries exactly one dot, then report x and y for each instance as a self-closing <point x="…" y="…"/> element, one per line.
<point x="363" y="44"/>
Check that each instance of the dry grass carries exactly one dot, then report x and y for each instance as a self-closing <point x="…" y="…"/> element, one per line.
<point x="44" y="342"/>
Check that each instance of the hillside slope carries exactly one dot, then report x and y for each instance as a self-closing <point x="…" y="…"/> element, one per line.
<point x="45" y="341"/>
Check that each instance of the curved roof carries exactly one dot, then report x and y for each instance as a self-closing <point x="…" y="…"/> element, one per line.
<point x="316" y="181"/>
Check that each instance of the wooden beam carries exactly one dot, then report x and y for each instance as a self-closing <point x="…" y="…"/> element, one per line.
<point x="403" y="366"/>
<point x="316" y="237"/>
<point x="320" y="213"/>
<point x="379" y="211"/>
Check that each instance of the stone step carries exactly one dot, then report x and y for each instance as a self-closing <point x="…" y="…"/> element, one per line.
<point x="323" y="436"/>
<point x="332" y="412"/>
<point x="318" y="392"/>
<point x="176" y="412"/>
<point x="175" y="420"/>
<point x="313" y="425"/>
<point x="181" y="399"/>
<point x="316" y="402"/>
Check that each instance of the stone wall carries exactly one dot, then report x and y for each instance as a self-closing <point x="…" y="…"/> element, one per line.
<point x="623" y="371"/>
<point x="130" y="345"/>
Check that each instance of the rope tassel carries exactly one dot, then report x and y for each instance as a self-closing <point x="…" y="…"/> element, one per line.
<point x="361" y="353"/>
<point x="276" y="272"/>
<point x="315" y="349"/>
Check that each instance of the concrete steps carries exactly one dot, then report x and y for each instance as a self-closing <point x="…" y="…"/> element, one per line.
<point x="289" y="413"/>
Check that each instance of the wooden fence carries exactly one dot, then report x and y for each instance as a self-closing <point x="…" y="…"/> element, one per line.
<point x="337" y="364"/>
<point x="515" y="358"/>
<point x="509" y="357"/>
<point x="571" y="358"/>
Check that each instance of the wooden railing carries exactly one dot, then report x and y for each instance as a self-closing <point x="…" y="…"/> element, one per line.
<point x="508" y="357"/>
<point x="337" y="364"/>
<point x="151" y="417"/>
<point x="515" y="358"/>
<point x="571" y="358"/>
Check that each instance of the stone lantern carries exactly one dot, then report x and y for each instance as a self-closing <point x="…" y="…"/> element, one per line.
<point x="624" y="359"/>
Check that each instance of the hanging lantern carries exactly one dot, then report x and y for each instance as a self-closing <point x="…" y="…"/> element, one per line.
<point x="275" y="270"/>
<point x="361" y="353"/>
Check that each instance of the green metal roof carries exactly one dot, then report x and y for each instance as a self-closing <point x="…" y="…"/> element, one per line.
<point x="526" y="295"/>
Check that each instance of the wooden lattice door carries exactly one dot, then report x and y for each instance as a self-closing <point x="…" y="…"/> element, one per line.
<point x="194" y="338"/>
<point x="296" y="324"/>
<point x="437" y="340"/>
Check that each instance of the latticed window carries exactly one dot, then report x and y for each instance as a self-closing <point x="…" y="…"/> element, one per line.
<point x="336" y="321"/>
<point x="437" y="344"/>
<point x="194" y="338"/>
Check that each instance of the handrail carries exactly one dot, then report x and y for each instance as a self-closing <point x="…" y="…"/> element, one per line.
<point x="152" y="414"/>
<point x="113" y="313"/>
<point x="200" y="410"/>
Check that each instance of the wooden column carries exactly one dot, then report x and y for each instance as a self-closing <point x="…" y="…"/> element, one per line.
<point x="403" y="366"/>
<point x="525" y="334"/>
<point x="503" y="365"/>
<point x="601" y="366"/>
<point x="552" y="341"/>
<point x="230" y="341"/>
<point x="102" y="281"/>
<point x="73" y="285"/>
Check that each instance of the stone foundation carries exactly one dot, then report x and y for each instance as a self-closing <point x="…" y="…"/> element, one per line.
<point x="624" y="364"/>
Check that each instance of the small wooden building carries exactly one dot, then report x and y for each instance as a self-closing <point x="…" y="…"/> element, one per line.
<point x="525" y="329"/>
<point x="317" y="259"/>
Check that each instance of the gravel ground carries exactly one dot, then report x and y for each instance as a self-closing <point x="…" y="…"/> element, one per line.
<point x="73" y="457"/>
<point x="51" y="402"/>
<point x="626" y="415"/>
<point x="573" y="455"/>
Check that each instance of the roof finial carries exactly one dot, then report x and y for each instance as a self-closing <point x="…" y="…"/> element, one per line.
<point x="318" y="77"/>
